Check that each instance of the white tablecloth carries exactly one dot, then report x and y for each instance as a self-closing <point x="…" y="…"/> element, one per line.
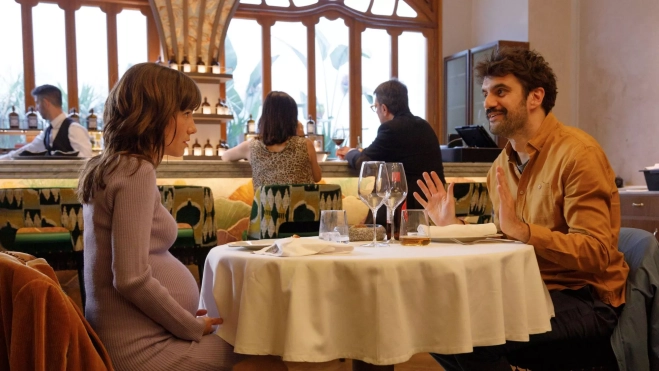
<point x="378" y="305"/>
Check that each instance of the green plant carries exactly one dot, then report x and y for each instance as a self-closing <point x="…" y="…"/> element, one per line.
<point x="253" y="97"/>
<point x="13" y="95"/>
<point x="87" y="98"/>
<point x="254" y="91"/>
<point x="338" y="56"/>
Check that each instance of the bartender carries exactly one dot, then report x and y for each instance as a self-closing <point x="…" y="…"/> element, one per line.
<point x="60" y="134"/>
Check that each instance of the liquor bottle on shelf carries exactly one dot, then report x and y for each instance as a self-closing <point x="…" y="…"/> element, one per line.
<point x="92" y="121"/>
<point x="73" y="115"/>
<point x="185" y="64"/>
<point x="159" y="61"/>
<point x="359" y="142"/>
<point x="32" y="119"/>
<point x="225" y="108"/>
<point x="208" y="148"/>
<point x="219" y="110"/>
<point x="206" y="107"/>
<point x="172" y="63"/>
<point x="222" y="146"/>
<point x="201" y="67"/>
<point x="196" y="148"/>
<point x="14" y="121"/>
<point x="186" y="151"/>
<point x="251" y="125"/>
<point x="215" y="66"/>
<point x="311" y="126"/>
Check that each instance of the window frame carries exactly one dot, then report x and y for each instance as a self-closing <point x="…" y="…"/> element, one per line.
<point x="427" y="22"/>
<point x="111" y="8"/>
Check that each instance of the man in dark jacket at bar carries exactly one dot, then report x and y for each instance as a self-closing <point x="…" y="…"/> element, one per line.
<point x="402" y="137"/>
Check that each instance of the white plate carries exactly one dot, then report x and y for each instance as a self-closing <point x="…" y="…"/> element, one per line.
<point x="466" y="239"/>
<point x="252" y="245"/>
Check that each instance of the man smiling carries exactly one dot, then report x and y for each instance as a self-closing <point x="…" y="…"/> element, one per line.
<point x="553" y="188"/>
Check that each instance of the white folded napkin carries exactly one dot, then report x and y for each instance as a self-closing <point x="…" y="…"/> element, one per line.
<point x="656" y="166"/>
<point x="303" y="246"/>
<point x="459" y="230"/>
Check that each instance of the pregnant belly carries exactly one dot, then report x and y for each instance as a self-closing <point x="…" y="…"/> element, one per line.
<point x="178" y="280"/>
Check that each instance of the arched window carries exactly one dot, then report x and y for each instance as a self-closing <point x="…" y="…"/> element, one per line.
<point x="351" y="47"/>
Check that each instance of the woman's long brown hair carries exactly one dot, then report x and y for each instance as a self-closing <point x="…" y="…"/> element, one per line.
<point x="278" y="120"/>
<point x="138" y="109"/>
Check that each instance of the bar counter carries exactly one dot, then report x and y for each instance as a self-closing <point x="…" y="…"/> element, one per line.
<point x="230" y="184"/>
<point x="205" y="169"/>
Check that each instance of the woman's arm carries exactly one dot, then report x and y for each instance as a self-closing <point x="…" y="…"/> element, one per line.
<point x="133" y="200"/>
<point x="238" y="152"/>
<point x="315" y="168"/>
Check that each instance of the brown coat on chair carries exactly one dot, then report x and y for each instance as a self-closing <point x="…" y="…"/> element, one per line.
<point x="41" y="328"/>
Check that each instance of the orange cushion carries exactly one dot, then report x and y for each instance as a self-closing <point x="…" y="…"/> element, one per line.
<point x="42" y="230"/>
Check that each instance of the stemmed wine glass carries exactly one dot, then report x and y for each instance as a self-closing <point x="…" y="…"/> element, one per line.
<point x="397" y="193"/>
<point x="338" y="137"/>
<point x="373" y="190"/>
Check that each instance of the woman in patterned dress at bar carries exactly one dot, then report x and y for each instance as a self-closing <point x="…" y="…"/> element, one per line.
<point x="279" y="155"/>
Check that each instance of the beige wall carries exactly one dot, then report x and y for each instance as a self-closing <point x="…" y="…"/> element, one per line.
<point x="499" y="20"/>
<point x="618" y="81"/>
<point x="469" y="23"/>
<point x="554" y="32"/>
<point x="456" y="26"/>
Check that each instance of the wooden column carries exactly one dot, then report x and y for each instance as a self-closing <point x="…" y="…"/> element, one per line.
<point x="69" y="7"/>
<point x="434" y="101"/>
<point x="355" y="85"/>
<point x="152" y="38"/>
<point x="28" y="49"/>
<point x="266" y="64"/>
<point x="436" y="75"/>
<point x="311" y="67"/>
<point x="111" y="11"/>
<point x="394" y="33"/>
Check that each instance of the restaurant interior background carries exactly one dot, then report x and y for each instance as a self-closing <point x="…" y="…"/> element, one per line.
<point x="601" y="50"/>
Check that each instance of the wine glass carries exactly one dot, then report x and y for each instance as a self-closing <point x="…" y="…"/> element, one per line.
<point x="338" y="137"/>
<point x="397" y="193"/>
<point x="373" y="190"/>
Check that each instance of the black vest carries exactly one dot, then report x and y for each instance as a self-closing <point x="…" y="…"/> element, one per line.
<point x="61" y="142"/>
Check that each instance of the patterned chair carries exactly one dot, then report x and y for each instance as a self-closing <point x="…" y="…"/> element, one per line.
<point x="194" y="209"/>
<point x="46" y="223"/>
<point x="286" y="209"/>
<point x="473" y="202"/>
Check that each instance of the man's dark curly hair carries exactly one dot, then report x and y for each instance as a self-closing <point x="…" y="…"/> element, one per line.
<point x="528" y="66"/>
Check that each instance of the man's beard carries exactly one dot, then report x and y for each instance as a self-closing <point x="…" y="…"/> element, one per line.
<point x="512" y="121"/>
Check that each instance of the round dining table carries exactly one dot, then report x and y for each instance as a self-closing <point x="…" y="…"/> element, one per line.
<point x="378" y="305"/>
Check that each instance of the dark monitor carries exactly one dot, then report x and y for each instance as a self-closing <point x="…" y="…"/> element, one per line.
<point x="476" y="136"/>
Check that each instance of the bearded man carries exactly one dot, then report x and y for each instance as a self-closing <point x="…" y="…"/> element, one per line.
<point x="552" y="187"/>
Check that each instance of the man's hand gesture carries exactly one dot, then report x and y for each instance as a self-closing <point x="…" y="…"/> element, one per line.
<point x="440" y="204"/>
<point x="508" y="220"/>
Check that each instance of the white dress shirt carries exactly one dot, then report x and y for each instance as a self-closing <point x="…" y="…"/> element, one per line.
<point x="78" y="137"/>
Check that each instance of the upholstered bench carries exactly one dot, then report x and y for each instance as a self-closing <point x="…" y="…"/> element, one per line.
<point x="286" y="209"/>
<point x="473" y="202"/>
<point x="193" y="208"/>
<point x="46" y="223"/>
